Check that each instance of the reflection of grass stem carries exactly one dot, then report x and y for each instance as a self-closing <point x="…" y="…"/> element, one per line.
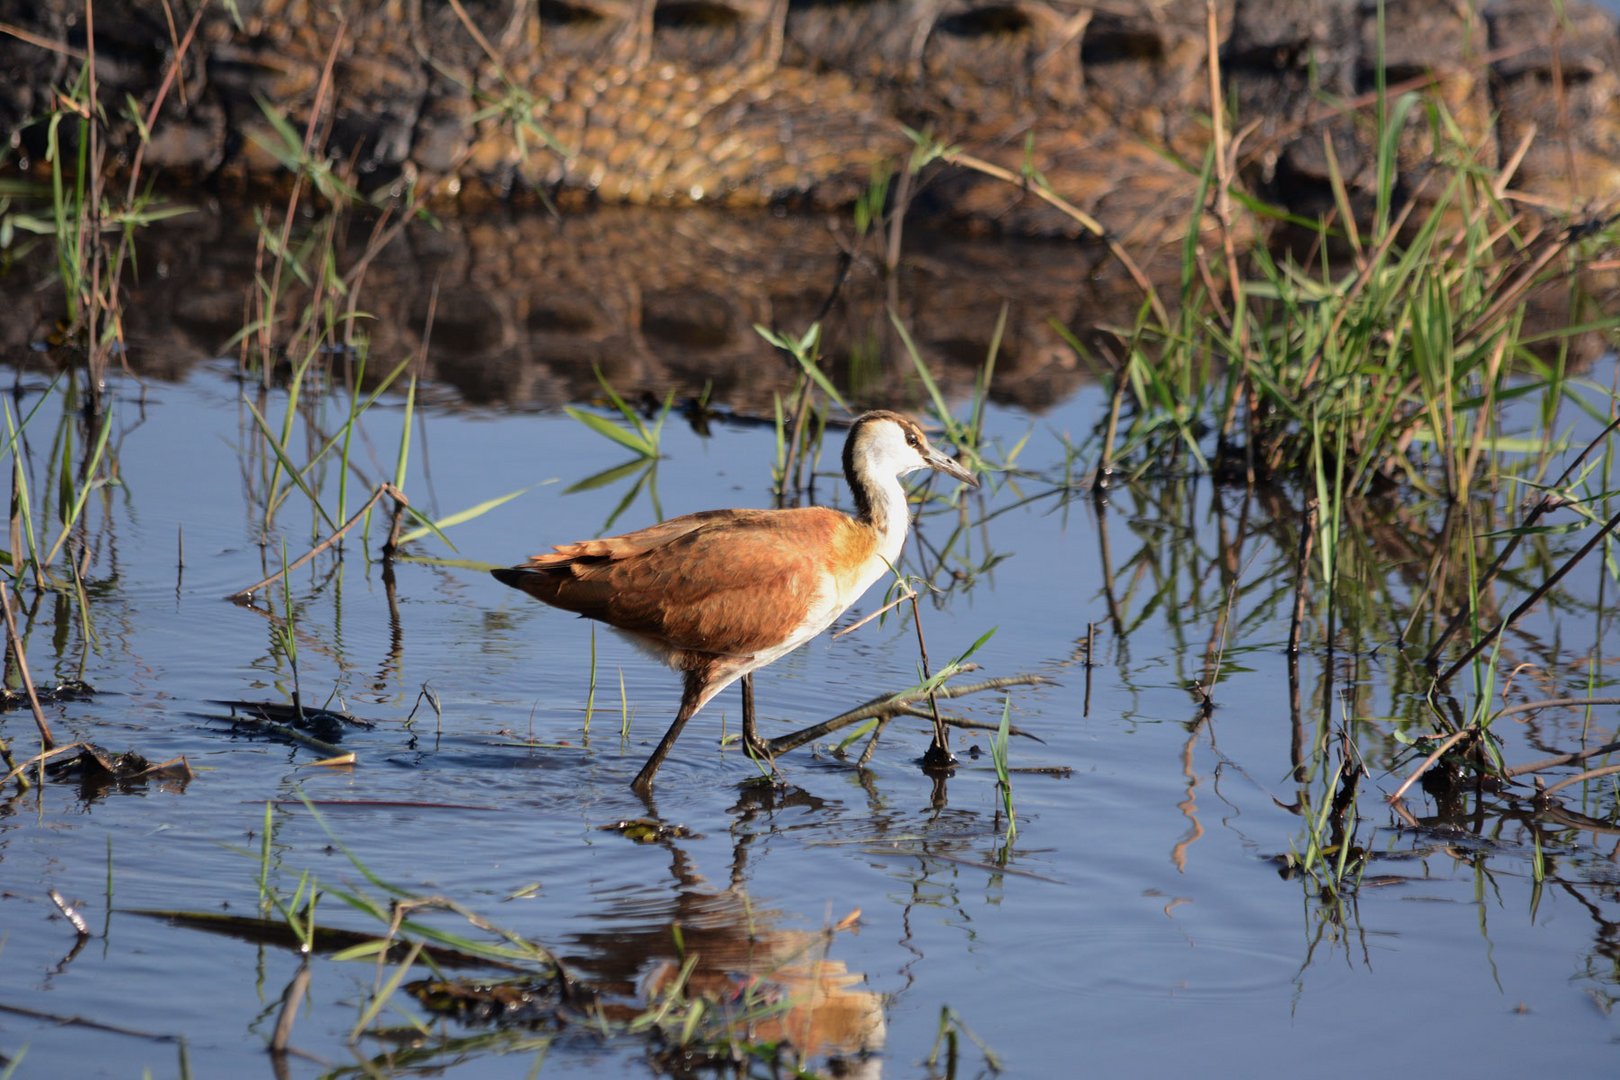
<point x="287" y="632"/>
<point x="950" y="1025"/>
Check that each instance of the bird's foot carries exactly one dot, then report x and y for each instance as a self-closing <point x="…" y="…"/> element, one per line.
<point x="759" y="752"/>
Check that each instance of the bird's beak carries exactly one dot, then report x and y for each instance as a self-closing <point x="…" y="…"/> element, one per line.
<point x="950" y="467"/>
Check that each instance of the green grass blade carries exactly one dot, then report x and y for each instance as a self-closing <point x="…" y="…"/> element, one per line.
<point x="633" y="441"/>
<point x="461" y="516"/>
<point x="402" y="462"/>
<point x="286" y="462"/>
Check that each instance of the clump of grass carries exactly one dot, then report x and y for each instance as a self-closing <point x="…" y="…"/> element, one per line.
<point x="800" y="425"/>
<point x="1384" y="351"/>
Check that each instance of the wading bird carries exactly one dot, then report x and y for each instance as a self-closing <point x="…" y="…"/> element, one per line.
<point x="717" y="594"/>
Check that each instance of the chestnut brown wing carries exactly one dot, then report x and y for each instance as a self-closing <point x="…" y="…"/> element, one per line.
<point x="727" y="581"/>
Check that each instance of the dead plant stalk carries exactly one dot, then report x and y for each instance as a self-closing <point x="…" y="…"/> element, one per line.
<point x="47" y="741"/>
<point x="383" y="488"/>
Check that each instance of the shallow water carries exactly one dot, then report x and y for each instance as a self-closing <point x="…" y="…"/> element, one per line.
<point x="1139" y="921"/>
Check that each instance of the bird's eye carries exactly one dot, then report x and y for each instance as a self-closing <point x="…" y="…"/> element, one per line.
<point x="912" y="440"/>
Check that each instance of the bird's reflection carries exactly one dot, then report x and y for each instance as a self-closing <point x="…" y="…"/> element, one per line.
<point x="772" y="983"/>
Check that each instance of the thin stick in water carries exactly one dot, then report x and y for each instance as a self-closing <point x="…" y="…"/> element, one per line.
<point x="47" y="741"/>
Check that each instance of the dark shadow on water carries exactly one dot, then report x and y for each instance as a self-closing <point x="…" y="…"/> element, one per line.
<point x="526" y="306"/>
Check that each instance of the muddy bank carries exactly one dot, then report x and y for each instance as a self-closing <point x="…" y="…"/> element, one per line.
<point x="754" y="102"/>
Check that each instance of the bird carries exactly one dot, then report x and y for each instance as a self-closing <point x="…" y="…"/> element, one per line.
<point x="718" y="594"/>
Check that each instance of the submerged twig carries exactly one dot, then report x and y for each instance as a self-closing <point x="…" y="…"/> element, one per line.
<point x="1446" y="744"/>
<point x="383" y="488"/>
<point x="1589" y="774"/>
<point x="939" y="753"/>
<point x="40" y="759"/>
<point x="291" y="734"/>
<point x="909" y="594"/>
<point x="59" y="1020"/>
<point x="291" y="997"/>
<point x="889" y="706"/>
<point x="1573" y="758"/>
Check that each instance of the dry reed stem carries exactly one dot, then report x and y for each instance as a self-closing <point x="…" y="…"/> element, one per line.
<point x="897" y="218"/>
<point x="292" y="734"/>
<point x="1552" y="703"/>
<point x="942" y="744"/>
<point x="1590" y="774"/>
<point x="793" y="457"/>
<point x="174" y="41"/>
<point x="1116" y="403"/>
<point x="127" y="238"/>
<point x="383" y="488"/>
<point x="1224" y="152"/>
<point x="478" y="37"/>
<point x="940" y="751"/>
<point x="1561" y="759"/>
<point x="46" y="740"/>
<point x="1532" y="766"/>
<point x="41" y="758"/>
<point x="291" y="998"/>
<point x="60" y="1020"/>
<point x="909" y="594"/>
<point x="1543" y="505"/>
<point x="889" y="706"/>
<point x="35" y="40"/>
<point x="1446" y="744"/>
<point x="1085" y="220"/>
<point x="170" y="78"/>
<point x="1529" y="601"/>
<point x="90" y="213"/>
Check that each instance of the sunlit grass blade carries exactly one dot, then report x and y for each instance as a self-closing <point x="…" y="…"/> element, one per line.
<point x="72" y="515"/>
<point x="286" y="463"/>
<point x="462" y="516"/>
<point x="631" y="440"/>
<point x="402" y="461"/>
<point x="804" y="350"/>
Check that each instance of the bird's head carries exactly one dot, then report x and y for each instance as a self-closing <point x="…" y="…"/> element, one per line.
<point x="883" y="443"/>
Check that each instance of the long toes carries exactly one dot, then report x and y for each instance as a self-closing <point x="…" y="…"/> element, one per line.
<point x="759" y="750"/>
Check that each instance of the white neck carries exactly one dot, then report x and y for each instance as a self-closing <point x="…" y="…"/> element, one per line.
<point x="890" y="514"/>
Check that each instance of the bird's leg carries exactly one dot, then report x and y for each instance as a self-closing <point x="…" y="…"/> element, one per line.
<point x="690" y="698"/>
<point x="756" y="747"/>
